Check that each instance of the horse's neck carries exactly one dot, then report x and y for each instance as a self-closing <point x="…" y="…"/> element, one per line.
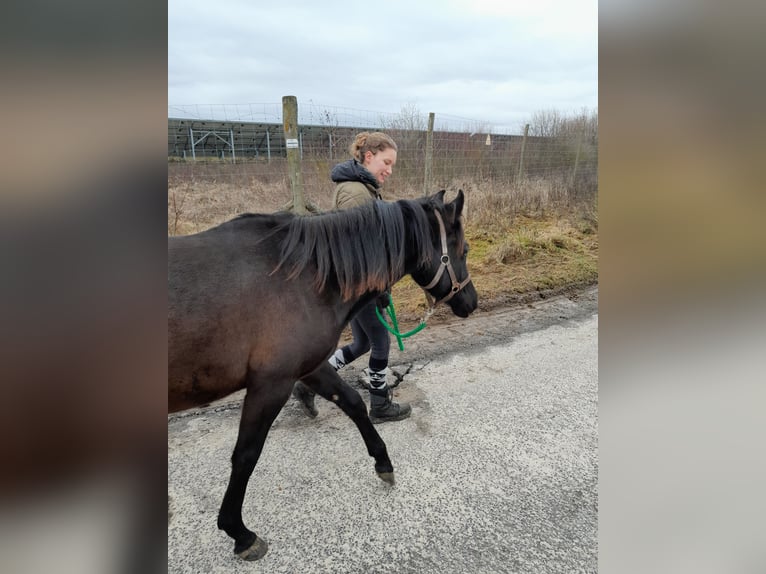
<point x="411" y="255"/>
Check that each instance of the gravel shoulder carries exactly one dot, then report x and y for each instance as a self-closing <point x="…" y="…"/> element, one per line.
<point x="496" y="469"/>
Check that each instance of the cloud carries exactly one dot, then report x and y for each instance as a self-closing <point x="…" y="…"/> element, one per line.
<point x="503" y="60"/>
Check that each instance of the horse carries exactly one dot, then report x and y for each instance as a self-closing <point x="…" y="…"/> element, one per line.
<point x="260" y="301"/>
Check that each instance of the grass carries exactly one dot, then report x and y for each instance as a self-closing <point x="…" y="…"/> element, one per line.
<point x="525" y="240"/>
<point x="509" y="265"/>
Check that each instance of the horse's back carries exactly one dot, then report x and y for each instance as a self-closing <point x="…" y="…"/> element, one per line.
<point x="215" y="279"/>
<point x="230" y="315"/>
<point x="207" y="265"/>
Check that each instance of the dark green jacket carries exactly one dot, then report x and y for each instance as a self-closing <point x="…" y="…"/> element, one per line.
<point x="354" y="185"/>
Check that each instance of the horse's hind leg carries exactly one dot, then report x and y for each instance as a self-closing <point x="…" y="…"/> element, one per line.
<point x="327" y="383"/>
<point x="259" y="410"/>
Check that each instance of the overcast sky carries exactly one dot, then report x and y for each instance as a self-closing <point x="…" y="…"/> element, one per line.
<point x="496" y="61"/>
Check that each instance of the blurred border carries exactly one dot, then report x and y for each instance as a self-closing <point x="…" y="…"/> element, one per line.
<point x="83" y="479"/>
<point x="682" y="269"/>
<point x="681" y="294"/>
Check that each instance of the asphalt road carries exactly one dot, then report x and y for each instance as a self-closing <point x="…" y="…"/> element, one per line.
<point x="496" y="469"/>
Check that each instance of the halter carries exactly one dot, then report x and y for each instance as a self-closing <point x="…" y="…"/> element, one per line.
<point x="445" y="264"/>
<point x="456" y="287"/>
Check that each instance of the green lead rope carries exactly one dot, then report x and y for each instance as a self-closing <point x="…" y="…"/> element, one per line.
<point x="395" y="329"/>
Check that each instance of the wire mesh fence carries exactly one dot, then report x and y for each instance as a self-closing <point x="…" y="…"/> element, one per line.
<point x="216" y="150"/>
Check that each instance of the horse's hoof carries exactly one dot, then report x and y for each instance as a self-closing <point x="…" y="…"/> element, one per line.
<point x="305" y="398"/>
<point x="386" y="477"/>
<point x="256" y="551"/>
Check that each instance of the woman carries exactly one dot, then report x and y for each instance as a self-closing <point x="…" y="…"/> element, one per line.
<point x="358" y="181"/>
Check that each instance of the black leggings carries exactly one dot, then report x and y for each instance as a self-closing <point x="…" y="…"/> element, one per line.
<point x="369" y="335"/>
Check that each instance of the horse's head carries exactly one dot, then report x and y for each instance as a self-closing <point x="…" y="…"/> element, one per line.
<point x="445" y="278"/>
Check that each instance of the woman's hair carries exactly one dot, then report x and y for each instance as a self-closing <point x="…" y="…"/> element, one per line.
<point x="370" y="141"/>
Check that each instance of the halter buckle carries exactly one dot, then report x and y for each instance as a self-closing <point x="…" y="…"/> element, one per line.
<point x="445" y="264"/>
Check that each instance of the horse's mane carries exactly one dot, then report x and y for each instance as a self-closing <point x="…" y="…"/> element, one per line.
<point x="362" y="248"/>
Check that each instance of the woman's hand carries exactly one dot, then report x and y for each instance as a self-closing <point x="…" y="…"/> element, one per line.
<point x="383" y="300"/>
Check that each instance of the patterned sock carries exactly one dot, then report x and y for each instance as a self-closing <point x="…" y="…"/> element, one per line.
<point x="337" y="360"/>
<point x="377" y="379"/>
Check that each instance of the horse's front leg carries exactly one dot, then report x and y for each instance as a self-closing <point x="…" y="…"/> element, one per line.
<point x="328" y="384"/>
<point x="259" y="410"/>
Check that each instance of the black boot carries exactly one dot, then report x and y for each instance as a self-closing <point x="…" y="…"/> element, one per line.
<point x="383" y="409"/>
<point x="305" y="397"/>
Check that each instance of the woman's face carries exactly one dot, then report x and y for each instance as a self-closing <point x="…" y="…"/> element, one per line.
<point x="381" y="164"/>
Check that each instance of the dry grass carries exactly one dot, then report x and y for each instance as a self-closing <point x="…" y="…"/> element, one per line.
<point x="524" y="238"/>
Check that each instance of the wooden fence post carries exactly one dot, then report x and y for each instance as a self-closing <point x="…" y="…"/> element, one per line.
<point x="521" y="155"/>
<point x="429" y="154"/>
<point x="290" y="124"/>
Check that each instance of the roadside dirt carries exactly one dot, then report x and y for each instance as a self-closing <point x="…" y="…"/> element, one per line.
<point x="443" y="315"/>
<point x="495" y="322"/>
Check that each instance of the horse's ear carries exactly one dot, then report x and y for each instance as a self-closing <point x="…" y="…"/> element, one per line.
<point x="439" y="196"/>
<point x="455" y="207"/>
<point x="459" y="200"/>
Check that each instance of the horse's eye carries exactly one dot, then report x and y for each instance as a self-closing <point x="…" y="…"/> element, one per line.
<point x="465" y="250"/>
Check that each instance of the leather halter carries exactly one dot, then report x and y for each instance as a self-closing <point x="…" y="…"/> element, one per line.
<point x="445" y="264"/>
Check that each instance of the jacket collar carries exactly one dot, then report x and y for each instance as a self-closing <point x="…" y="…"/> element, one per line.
<point x="352" y="170"/>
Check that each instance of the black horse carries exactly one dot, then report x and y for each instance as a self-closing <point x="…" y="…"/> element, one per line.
<point x="260" y="302"/>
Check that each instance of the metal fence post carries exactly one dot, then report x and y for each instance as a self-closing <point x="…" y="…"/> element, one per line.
<point x="521" y="155"/>
<point x="577" y="158"/>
